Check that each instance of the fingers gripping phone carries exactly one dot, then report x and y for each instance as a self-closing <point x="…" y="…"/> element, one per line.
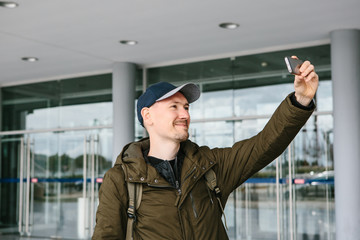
<point x="293" y="65"/>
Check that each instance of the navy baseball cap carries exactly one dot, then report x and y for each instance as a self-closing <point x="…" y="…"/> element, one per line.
<point x="162" y="90"/>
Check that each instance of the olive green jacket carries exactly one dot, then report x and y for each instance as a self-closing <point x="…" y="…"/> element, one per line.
<point x="193" y="212"/>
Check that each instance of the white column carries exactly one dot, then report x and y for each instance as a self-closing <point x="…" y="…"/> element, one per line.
<point x="345" y="62"/>
<point x="123" y="96"/>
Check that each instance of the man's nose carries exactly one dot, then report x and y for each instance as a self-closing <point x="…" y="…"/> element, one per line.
<point x="184" y="114"/>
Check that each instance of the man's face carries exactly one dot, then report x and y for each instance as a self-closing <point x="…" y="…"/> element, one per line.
<point x="170" y="118"/>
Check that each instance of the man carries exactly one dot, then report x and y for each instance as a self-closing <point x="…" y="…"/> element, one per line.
<point x="176" y="201"/>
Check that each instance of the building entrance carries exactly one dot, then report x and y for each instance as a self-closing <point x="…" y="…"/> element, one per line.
<point x="50" y="180"/>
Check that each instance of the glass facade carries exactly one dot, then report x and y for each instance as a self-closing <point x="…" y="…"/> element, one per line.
<point x="252" y="209"/>
<point x="58" y="147"/>
<point x="58" y="104"/>
<point x="292" y="198"/>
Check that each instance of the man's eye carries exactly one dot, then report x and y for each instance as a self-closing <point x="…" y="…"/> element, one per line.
<point x="173" y="106"/>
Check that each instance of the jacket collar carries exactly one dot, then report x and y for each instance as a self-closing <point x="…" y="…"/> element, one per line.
<point x="196" y="162"/>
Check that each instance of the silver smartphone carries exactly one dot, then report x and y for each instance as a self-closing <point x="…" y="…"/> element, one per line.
<point x="293" y="65"/>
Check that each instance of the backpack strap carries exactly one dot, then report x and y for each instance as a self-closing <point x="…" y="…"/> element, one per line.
<point x="211" y="182"/>
<point x="135" y="194"/>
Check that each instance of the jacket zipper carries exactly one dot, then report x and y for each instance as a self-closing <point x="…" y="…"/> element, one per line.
<point x="177" y="184"/>
<point x="189" y="174"/>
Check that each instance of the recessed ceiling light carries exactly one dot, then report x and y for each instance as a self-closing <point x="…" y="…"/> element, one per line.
<point x="129" y="42"/>
<point x="264" y="64"/>
<point x="8" y="4"/>
<point x="229" y="25"/>
<point x="30" y="59"/>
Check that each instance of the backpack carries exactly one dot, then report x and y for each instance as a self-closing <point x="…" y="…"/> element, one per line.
<point x="135" y="194"/>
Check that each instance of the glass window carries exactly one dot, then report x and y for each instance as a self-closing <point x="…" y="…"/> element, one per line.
<point x="260" y="100"/>
<point x="78" y="102"/>
<point x="212" y="134"/>
<point x="57" y="158"/>
<point x="214" y="104"/>
<point x="71" y="116"/>
<point x="324" y="99"/>
<point x="244" y="71"/>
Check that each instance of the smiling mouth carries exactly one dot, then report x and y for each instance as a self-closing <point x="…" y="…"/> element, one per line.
<point x="182" y="124"/>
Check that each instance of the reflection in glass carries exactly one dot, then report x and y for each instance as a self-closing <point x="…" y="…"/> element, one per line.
<point x="253" y="208"/>
<point x="58" y="190"/>
<point x="70" y="116"/>
<point x="324" y="97"/>
<point x="84" y="101"/>
<point x="260" y="100"/>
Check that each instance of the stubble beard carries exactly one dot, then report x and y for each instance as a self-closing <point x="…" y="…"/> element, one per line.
<point x="182" y="136"/>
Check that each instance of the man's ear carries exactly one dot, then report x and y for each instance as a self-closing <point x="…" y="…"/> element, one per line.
<point x="145" y="113"/>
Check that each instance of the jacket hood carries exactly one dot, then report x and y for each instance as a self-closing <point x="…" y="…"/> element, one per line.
<point x="133" y="150"/>
<point x="132" y="160"/>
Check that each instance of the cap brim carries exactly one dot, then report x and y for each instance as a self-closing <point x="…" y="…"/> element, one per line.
<point x="190" y="91"/>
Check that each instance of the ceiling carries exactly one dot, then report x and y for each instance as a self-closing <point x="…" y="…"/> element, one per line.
<point x="81" y="37"/>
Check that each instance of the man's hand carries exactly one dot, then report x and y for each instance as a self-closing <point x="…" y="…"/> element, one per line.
<point x="306" y="83"/>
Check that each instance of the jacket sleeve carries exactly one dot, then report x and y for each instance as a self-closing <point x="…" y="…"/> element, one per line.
<point x="245" y="158"/>
<point x="111" y="217"/>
